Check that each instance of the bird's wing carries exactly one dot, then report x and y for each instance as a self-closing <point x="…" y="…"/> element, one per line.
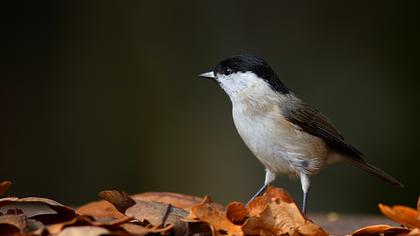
<point x="314" y="122"/>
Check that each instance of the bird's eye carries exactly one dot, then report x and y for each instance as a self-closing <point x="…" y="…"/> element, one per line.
<point x="227" y="71"/>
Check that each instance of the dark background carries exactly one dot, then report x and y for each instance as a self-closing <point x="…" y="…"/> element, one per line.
<point x="99" y="95"/>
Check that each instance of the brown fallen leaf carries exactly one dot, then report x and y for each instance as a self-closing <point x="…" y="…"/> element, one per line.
<point x="183" y="201"/>
<point x="158" y="214"/>
<point x="258" y="205"/>
<point x="218" y="223"/>
<point x="121" y="200"/>
<point x="104" y="209"/>
<point x="136" y="229"/>
<point x="271" y="221"/>
<point x="56" y="206"/>
<point x="414" y="232"/>
<point x="418" y="205"/>
<point x="100" y="209"/>
<point x="9" y="230"/>
<point x="86" y="221"/>
<point x="83" y="231"/>
<point x="198" y="228"/>
<point x="14" y="211"/>
<point x="401" y="214"/>
<point x="20" y="225"/>
<point x="275" y="213"/>
<point x="4" y="186"/>
<point x="380" y="230"/>
<point x="237" y="213"/>
<point x="13" y="224"/>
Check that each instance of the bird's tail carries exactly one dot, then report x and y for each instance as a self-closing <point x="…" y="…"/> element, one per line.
<point x="377" y="172"/>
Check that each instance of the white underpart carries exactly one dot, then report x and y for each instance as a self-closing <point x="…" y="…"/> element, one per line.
<point x="279" y="145"/>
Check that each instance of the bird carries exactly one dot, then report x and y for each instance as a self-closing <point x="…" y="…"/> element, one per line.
<point x="287" y="135"/>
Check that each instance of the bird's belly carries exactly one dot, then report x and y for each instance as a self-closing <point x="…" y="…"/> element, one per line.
<point x="281" y="146"/>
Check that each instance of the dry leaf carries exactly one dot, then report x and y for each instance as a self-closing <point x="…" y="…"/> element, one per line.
<point x="19" y="225"/>
<point x="414" y="232"/>
<point x="104" y="209"/>
<point x="380" y="230"/>
<point x="418" y="206"/>
<point x="156" y="213"/>
<point x="276" y="213"/>
<point x="64" y="213"/>
<point x="13" y="224"/>
<point x="100" y="209"/>
<point x="121" y="200"/>
<point x="237" y="213"/>
<point x="309" y="228"/>
<point x="219" y="224"/>
<point x="275" y="219"/>
<point x="159" y="214"/>
<point x="83" y="231"/>
<point x="14" y="211"/>
<point x="86" y="221"/>
<point x="57" y="207"/>
<point x="175" y="199"/>
<point x="401" y="214"/>
<point x="9" y="230"/>
<point x="258" y="205"/>
<point x="136" y="229"/>
<point x="4" y="186"/>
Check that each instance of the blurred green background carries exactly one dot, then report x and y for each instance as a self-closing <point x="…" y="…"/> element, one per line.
<point x="100" y="95"/>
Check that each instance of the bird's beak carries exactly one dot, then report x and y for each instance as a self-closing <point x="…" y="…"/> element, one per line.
<point x="208" y="75"/>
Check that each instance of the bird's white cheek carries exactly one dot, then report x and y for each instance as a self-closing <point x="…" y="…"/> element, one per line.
<point x="228" y="85"/>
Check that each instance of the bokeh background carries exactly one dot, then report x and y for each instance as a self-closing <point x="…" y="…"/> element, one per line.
<point x="100" y="95"/>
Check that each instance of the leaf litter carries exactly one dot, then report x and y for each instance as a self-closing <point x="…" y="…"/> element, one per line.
<point x="164" y="213"/>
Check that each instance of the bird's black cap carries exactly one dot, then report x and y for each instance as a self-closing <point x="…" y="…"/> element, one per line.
<point x="251" y="63"/>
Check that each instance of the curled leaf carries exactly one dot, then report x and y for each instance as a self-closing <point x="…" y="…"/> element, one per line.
<point x="275" y="213"/>
<point x="401" y="214"/>
<point x="121" y="200"/>
<point x="100" y="209"/>
<point x="86" y="221"/>
<point x="414" y="232"/>
<point x="4" y="186"/>
<point x="136" y="229"/>
<point x="64" y="213"/>
<point x="237" y="213"/>
<point x="13" y="224"/>
<point x="159" y="214"/>
<point x="183" y="201"/>
<point x="380" y="230"/>
<point x="19" y="225"/>
<point x="219" y="224"/>
<point x="83" y="231"/>
<point x="418" y="206"/>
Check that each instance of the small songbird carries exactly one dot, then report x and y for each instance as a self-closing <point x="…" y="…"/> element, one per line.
<point x="287" y="135"/>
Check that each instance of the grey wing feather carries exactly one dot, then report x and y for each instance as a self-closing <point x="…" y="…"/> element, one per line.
<point x="314" y="122"/>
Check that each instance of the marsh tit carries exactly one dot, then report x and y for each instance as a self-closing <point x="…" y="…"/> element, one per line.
<point x="287" y="135"/>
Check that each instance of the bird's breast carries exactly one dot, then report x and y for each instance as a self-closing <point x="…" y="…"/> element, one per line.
<point x="281" y="146"/>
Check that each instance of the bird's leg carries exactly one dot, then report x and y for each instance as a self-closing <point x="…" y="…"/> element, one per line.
<point x="269" y="178"/>
<point x="262" y="189"/>
<point x="306" y="185"/>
